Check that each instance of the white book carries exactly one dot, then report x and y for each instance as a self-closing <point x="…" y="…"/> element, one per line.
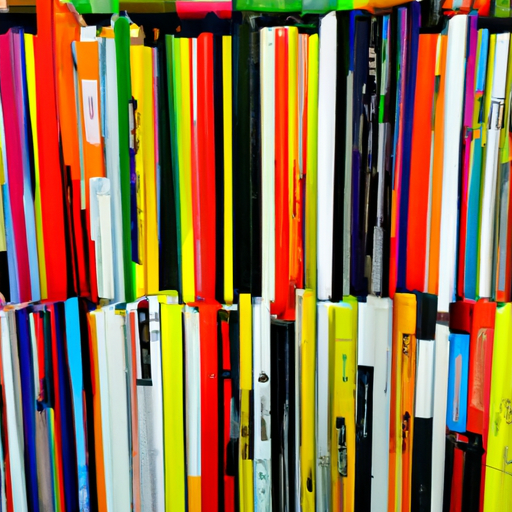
<point x="441" y="358"/>
<point x="326" y="141"/>
<point x="118" y="405"/>
<point x="99" y="315"/>
<point x="374" y="350"/>
<point x="111" y="139"/>
<point x="494" y="125"/>
<point x="268" y="224"/>
<point x="193" y="390"/>
<point x="262" y="418"/>
<point x="455" y="77"/>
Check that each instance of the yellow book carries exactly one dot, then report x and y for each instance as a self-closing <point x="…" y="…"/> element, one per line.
<point x="498" y="473"/>
<point x="173" y="404"/>
<point x="227" y="85"/>
<point x="246" y="464"/>
<point x="183" y="104"/>
<point x="343" y="374"/>
<point x="401" y="425"/>
<point x="138" y="62"/>
<point x="311" y="162"/>
<point x="306" y="302"/>
<point x="31" y="87"/>
<point x="293" y="149"/>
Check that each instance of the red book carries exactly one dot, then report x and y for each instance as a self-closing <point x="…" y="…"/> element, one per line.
<point x="282" y="215"/>
<point x="204" y="184"/>
<point x="209" y="403"/>
<point x="52" y="190"/>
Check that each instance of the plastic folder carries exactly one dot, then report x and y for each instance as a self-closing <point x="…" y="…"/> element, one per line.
<point x="306" y="313"/>
<point x="460" y="326"/>
<point x="480" y="367"/>
<point x="283" y="414"/>
<point x="173" y="407"/>
<point x="403" y="368"/>
<point x="325" y="179"/>
<point x="246" y="471"/>
<point x="342" y="407"/>
<point x="500" y="433"/>
<point x="262" y="381"/>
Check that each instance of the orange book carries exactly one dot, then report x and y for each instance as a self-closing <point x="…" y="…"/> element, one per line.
<point x="87" y="58"/>
<point x="98" y="433"/>
<point x="420" y="163"/>
<point x="437" y="169"/>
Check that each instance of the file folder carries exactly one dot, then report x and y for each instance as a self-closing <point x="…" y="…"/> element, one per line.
<point x="480" y="367"/>
<point x="500" y="433"/>
<point x="306" y="327"/>
<point x="461" y="314"/>
<point x="421" y="479"/>
<point x="122" y="41"/>
<point x="262" y="382"/>
<point x="323" y="462"/>
<point x="326" y="152"/>
<point x="173" y="402"/>
<point x="491" y="162"/>
<point x="342" y="407"/>
<point x="403" y="369"/>
<point x="455" y="59"/>
<point x="474" y="180"/>
<point x="282" y="398"/>
<point x="310" y="223"/>
<point x="246" y="445"/>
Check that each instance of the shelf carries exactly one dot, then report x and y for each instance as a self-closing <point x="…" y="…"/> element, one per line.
<point x="135" y="6"/>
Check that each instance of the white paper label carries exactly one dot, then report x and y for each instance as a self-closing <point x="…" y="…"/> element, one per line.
<point x="91" y="111"/>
